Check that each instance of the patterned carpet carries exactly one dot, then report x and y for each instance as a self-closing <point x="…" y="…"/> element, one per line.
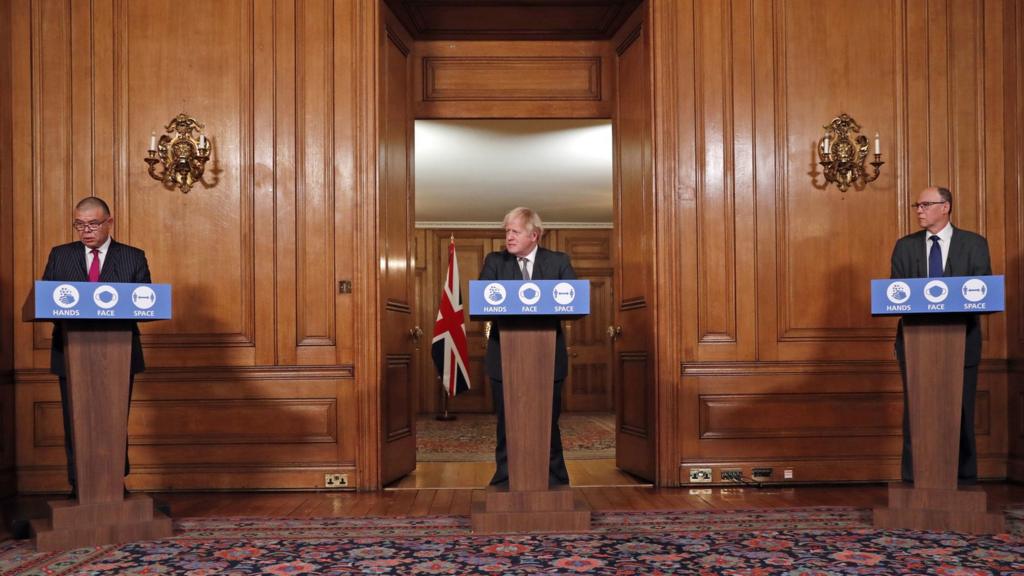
<point x="799" y="541"/>
<point x="470" y="437"/>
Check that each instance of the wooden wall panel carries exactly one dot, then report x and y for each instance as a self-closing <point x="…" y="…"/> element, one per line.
<point x="7" y="309"/>
<point x="466" y="79"/>
<point x="830" y="243"/>
<point x="177" y="230"/>
<point x="1013" y="178"/>
<point x="252" y="252"/>
<point x="753" y="83"/>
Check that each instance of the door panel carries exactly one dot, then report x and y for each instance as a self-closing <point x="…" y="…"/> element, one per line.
<point x="589" y="385"/>
<point x="397" y="275"/>
<point x="634" y="253"/>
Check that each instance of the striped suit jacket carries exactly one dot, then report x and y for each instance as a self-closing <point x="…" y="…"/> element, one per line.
<point x="123" y="263"/>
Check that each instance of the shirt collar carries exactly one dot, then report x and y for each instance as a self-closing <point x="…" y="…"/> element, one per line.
<point x="945" y="235"/>
<point x="532" y="256"/>
<point x="103" y="247"/>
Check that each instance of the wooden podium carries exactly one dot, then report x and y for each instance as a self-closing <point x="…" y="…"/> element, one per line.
<point x="98" y="356"/>
<point x="934" y="351"/>
<point x="528" y="504"/>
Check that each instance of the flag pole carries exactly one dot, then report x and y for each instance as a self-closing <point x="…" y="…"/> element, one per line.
<point x="444" y="416"/>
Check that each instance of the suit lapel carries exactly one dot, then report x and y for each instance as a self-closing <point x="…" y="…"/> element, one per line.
<point x="920" y="263"/>
<point x="108" y="273"/>
<point x="955" y="253"/>
<point x="540" y="265"/>
<point x="80" y="265"/>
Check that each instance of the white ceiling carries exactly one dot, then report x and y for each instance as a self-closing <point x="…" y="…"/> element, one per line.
<point x="471" y="172"/>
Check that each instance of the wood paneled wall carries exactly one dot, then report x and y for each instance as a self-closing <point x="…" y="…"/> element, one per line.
<point x="1013" y="182"/>
<point x="8" y="483"/>
<point x="781" y="362"/>
<point x="513" y="79"/>
<point x="268" y="377"/>
<point x="252" y="384"/>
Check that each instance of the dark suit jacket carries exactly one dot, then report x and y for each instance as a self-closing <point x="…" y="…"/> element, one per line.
<point x="549" y="265"/>
<point x="123" y="263"/>
<point x="968" y="256"/>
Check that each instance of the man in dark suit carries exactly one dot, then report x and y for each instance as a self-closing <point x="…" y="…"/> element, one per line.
<point x="524" y="259"/>
<point x="940" y="249"/>
<point x="96" y="257"/>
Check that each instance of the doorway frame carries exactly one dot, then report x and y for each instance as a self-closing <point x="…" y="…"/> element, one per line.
<point x="666" y="305"/>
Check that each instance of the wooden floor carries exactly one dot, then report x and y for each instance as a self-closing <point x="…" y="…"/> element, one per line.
<point x="428" y="502"/>
<point x="457" y="501"/>
<point x="452" y="475"/>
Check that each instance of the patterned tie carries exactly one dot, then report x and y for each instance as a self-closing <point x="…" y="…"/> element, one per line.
<point x="526" y="268"/>
<point x="94" y="268"/>
<point x="935" y="259"/>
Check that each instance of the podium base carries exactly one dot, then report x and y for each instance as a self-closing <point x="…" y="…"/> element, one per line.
<point x="498" y="510"/>
<point x="74" y="525"/>
<point x="963" y="510"/>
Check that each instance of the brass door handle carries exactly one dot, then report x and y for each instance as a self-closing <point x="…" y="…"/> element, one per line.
<point x="614" y="332"/>
<point x="415" y="332"/>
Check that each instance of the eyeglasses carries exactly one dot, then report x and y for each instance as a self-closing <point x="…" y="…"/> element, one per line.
<point x="925" y="205"/>
<point x="88" y="226"/>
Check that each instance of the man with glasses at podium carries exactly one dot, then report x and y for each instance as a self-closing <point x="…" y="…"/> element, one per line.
<point x="941" y="249"/>
<point x="95" y="257"/>
<point x="524" y="259"/>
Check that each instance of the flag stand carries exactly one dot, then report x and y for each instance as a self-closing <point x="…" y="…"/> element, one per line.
<point x="444" y="416"/>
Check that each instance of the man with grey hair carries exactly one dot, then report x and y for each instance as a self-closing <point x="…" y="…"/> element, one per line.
<point x="941" y="249"/>
<point x="524" y="259"/>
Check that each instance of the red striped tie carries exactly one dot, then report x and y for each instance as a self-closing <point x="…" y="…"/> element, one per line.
<point x="94" y="268"/>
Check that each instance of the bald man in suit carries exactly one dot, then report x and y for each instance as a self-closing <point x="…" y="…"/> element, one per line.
<point x="521" y="259"/>
<point x="941" y="249"/>
<point x="95" y="257"/>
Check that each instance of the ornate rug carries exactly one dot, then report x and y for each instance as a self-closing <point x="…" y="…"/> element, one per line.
<point x="796" y="541"/>
<point x="470" y="437"/>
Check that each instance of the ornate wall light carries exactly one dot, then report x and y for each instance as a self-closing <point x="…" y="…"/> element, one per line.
<point x="843" y="158"/>
<point x="178" y="158"/>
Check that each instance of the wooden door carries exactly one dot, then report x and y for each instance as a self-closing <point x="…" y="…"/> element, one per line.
<point x="589" y="387"/>
<point x="634" y="347"/>
<point x="398" y="330"/>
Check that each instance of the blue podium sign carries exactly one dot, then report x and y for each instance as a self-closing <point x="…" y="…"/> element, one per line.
<point x="529" y="297"/>
<point x="101" y="301"/>
<point x="946" y="295"/>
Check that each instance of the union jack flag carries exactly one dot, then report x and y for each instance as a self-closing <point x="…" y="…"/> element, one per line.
<point x="449" y="347"/>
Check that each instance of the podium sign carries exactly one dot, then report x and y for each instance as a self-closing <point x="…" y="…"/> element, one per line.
<point x="945" y="295"/>
<point x="529" y="297"/>
<point x="101" y="301"/>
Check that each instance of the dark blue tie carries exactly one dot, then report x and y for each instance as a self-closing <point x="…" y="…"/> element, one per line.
<point x="935" y="259"/>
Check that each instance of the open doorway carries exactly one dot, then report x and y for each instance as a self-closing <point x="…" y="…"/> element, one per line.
<point x="537" y="59"/>
<point x="468" y="174"/>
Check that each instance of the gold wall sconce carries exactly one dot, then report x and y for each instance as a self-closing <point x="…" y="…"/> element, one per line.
<point x="179" y="158"/>
<point x="843" y="158"/>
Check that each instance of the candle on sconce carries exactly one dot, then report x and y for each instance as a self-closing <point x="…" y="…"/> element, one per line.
<point x="825" y="144"/>
<point x="152" y="141"/>
<point x="878" y="144"/>
<point x="202" y="140"/>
